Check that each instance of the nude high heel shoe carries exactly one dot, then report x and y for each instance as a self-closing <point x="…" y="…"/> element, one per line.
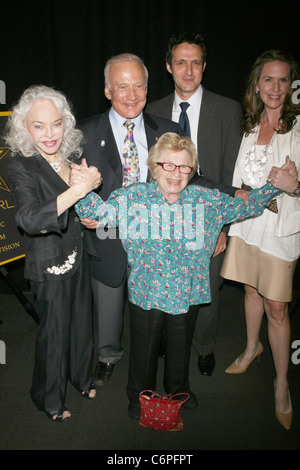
<point x="285" y="419"/>
<point x="234" y="368"/>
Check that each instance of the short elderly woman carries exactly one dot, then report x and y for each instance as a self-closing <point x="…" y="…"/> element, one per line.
<point x="169" y="231"/>
<point x="42" y="137"/>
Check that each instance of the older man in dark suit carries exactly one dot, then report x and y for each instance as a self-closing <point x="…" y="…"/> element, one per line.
<point x="213" y="123"/>
<point x="126" y="87"/>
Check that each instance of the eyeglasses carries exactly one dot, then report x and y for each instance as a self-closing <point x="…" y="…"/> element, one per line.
<point x="185" y="169"/>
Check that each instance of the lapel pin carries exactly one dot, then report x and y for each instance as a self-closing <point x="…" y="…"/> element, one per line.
<point x="102" y="143"/>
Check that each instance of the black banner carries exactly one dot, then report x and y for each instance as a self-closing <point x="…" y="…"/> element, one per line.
<point x="11" y="242"/>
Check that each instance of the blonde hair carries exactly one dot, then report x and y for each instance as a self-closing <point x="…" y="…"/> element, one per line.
<point x="173" y="143"/>
<point x="18" y="138"/>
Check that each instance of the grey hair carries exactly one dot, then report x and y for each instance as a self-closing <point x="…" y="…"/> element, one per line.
<point x="125" y="57"/>
<point x="17" y="137"/>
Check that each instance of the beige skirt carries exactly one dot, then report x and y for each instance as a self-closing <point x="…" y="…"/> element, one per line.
<point x="271" y="276"/>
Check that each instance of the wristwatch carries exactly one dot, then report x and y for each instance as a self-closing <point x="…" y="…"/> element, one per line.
<point x="297" y="190"/>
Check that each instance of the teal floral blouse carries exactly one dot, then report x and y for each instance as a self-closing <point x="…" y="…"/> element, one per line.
<point x="169" y="246"/>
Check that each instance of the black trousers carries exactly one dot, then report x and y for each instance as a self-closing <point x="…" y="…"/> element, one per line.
<point x="64" y="342"/>
<point x="146" y="330"/>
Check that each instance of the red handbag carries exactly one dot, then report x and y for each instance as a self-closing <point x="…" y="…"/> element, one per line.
<point x="161" y="412"/>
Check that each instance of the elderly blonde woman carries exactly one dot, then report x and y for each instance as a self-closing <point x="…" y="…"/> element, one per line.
<point x="169" y="231"/>
<point x="42" y="137"/>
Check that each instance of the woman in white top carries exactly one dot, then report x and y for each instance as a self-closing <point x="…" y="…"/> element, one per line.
<point x="263" y="251"/>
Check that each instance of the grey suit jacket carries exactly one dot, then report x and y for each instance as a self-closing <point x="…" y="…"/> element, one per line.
<point x="219" y="133"/>
<point x="108" y="259"/>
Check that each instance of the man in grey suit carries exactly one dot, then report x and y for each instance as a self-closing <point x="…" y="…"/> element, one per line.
<point x="126" y="87"/>
<point x="213" y="123"/>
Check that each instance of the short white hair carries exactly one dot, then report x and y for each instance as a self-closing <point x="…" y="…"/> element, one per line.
<point x="125" y="57"/>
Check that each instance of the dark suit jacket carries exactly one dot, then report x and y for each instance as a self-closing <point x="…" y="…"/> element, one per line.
<point x="201" y="180"/>
<point x="108" y="259"/>
<point x="219" y="133"/>
<point x="49" y="240"/>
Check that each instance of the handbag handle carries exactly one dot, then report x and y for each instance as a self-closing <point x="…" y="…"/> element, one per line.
<point x="156" y="395"/>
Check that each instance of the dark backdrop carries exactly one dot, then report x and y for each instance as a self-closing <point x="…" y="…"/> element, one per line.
<point x="65" y="44"/>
